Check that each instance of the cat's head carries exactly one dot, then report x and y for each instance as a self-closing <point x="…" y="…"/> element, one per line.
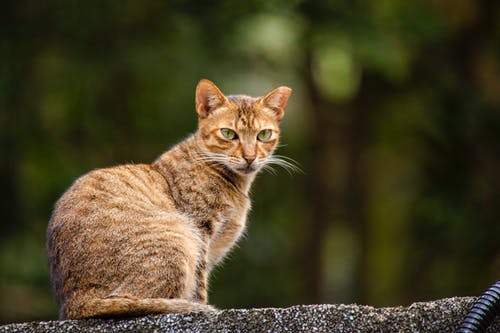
<point x="238" y="131"/>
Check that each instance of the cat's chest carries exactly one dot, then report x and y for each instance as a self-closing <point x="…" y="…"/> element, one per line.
<point x="206" y="197"/>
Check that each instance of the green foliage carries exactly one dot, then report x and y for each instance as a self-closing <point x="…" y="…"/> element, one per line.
<point x="394" y="119"/>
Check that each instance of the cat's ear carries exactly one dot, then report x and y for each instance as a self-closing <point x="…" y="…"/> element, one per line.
<point x="208" y="98"/>
<point x="276" y="100"/>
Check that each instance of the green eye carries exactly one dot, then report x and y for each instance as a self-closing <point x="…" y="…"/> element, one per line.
<point x="228" y="133"/>
<point x="264" y="135"/>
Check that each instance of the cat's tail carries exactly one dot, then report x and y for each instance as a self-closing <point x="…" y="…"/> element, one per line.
<point x="124" y="306"/>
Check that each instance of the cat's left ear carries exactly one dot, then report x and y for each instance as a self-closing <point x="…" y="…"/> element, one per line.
<point x="276" y="100"/>
<point x="208" y="98"/>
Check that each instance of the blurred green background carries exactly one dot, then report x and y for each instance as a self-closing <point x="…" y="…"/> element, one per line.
<point x="394" y="119"/>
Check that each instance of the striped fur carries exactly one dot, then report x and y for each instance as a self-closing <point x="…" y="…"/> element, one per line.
<point x="142" y="238"/>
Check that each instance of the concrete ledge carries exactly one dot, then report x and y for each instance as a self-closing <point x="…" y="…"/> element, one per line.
<point x="437" y="316"/>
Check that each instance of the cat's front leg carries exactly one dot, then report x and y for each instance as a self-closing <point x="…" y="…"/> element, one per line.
<point x="201" y="291"/>
<point x="224" y="239"/>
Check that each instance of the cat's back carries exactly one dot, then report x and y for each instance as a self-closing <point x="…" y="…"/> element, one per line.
<point x="116" y="193"/>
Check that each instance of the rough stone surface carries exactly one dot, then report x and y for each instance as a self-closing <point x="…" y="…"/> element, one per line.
<point x="438" y="316"/>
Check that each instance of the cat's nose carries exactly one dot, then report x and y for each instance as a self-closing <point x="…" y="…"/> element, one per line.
<point x="249" y="158"/>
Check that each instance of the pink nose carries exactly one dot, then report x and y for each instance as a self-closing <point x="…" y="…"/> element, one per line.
<point x="249" y="158"/>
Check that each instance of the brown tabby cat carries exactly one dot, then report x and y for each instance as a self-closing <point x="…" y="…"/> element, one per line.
<point x="142" y="238"/>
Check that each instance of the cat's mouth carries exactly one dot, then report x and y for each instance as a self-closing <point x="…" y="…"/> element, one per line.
<point x="247" y="170"/>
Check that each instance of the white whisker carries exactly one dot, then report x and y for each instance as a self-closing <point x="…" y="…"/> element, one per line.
<point x="287" y="163"/>
<point x="269" y="168"/>
<point x="217" y="159"/>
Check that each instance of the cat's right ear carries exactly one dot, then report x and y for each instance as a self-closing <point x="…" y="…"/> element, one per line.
<point x="208" y="98"/>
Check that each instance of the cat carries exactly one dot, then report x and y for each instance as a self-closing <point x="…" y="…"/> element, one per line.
<point x="142" y="238"/>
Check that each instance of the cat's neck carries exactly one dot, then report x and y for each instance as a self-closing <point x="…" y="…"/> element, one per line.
<point x="187" y="157"/>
